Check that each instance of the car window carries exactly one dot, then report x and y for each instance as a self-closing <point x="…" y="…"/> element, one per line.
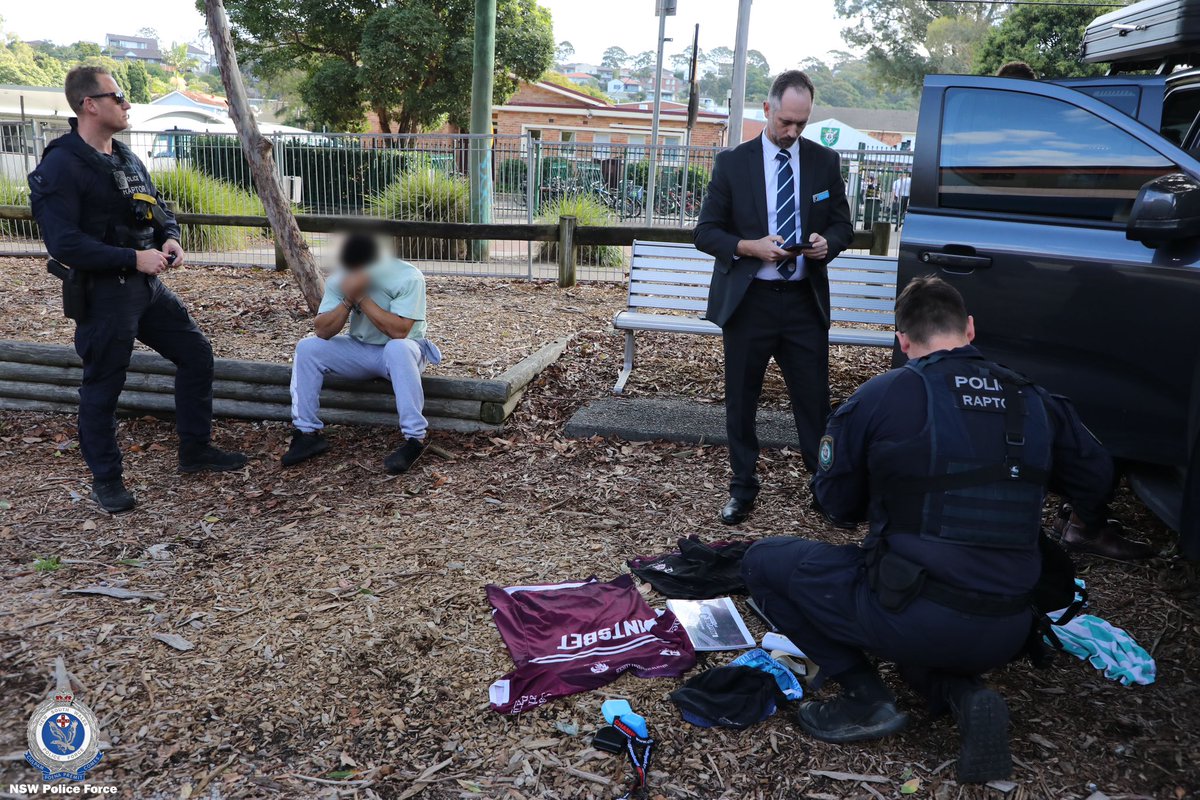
<point x="1123" y="98"/>
<point x="1013" y="152"/>
<point x="1179" y="110"/>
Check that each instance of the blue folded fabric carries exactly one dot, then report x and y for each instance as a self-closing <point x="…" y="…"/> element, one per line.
<point x="1107" y="648"/>
<point x="761" y="659"/>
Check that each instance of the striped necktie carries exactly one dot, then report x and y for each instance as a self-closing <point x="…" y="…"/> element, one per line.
<point x="785" y="210"/>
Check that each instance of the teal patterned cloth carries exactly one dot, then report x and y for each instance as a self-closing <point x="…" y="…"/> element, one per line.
<point x="1107" y="648"/>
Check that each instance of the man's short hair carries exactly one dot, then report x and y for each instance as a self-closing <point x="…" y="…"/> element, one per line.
<point x="82" y="82"/>
<point x="929" y="306"/>
<point x="359" y="250"/>
<point x="791" y="79"/>
<point x="1017" y="69"/>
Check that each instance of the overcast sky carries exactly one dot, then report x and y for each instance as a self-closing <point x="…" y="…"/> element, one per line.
<point x="785" y="31"/>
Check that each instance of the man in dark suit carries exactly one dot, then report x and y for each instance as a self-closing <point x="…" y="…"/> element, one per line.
<point x="769" y="196"/>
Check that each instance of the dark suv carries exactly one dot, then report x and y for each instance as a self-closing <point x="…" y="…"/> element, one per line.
<point x="1068" y="214"/>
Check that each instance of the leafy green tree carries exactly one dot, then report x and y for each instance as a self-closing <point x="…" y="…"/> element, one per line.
<point x="178" y="58"/>
<point x="1047" y="37"/>
<point x="614" y="58"/>
<point x="411" y="58"/>
<point x="643" y="64"/>
<point x="895" y="36"/>
<point x="137" y="82"/>
<point x="333" y="95"/>
<point x="563" y="52"/>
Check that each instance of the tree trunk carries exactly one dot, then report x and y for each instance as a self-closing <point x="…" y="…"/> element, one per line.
<point x="262" y="163"/>
<point x="385" y="122"/>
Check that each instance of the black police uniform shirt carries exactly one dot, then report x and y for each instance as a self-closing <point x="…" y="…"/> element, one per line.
<point x="76" y="207"/>
<point x="891" y="408"/>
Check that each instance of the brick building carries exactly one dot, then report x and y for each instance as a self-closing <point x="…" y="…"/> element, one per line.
<point x="558" y="114"/>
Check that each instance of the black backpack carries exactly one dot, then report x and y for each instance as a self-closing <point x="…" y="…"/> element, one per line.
<point x="1055" y="589"/>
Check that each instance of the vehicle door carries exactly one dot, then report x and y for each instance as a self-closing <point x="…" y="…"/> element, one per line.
<point x="1020" y="198"/>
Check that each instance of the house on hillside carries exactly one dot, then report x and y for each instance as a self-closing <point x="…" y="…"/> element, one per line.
<point x="205" y="61"/>
<point x="579" y="78"/>
<point x="672" y="88"/>
<point x="125" y="47"/>
<point x="188" y="98"/>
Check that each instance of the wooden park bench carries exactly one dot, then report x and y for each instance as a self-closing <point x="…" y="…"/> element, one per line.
<point x="668" y="292"/>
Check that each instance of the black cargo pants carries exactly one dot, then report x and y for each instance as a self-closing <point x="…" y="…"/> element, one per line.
<point x="122" y="308"/>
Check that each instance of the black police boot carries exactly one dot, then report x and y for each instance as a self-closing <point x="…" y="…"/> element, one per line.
<point x="112" y="496"/>
<point x="865" y="710"/>
<point x="982" y="729"/>
<point x="206" y="458"/>
<point x="404" y="456"/>
<point x="304" y="446"/>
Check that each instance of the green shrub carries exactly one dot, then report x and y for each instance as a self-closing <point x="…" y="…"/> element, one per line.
<point x="425" y="195"/>
<point x="587" y="211"/>
<point x="16" y="193"/>
<point x="187" y="190"/>
<point x="510" y="175"/>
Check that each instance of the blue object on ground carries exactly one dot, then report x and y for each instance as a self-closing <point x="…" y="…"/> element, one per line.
<point x="761" y="660"/>
<point x="620" y="709"/>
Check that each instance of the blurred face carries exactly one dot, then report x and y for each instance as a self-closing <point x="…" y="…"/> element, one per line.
<point x="107" y="112"/>
<point x="786" y="121"/>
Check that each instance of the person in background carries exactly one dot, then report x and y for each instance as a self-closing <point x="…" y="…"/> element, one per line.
<point x="383" y="299"/>
<point x="104" y="221"/>
<point x="1017" y="69"/>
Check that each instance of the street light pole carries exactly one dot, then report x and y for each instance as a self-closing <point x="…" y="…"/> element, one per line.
<point x="662" y="8"/>
<point x="480" y="143"/>
<point x="737" y="102"/>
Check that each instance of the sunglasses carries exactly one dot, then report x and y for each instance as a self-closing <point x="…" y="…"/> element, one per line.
<point x="118" y="96"/>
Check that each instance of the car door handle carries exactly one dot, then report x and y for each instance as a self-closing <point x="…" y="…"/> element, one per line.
<point x="956" y="263"/>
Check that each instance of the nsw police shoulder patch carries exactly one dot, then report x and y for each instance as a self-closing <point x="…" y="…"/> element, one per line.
<point x="825" y="453"/>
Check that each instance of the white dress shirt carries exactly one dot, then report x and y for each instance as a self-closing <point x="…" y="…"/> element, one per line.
<point x="770" y="271"/>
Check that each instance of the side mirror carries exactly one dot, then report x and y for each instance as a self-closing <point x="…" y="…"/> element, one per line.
<point x="1167" y="209"/>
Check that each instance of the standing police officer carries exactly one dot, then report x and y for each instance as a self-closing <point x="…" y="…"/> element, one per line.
<point x="948" y="459"/>
<point x="102" y="218"/>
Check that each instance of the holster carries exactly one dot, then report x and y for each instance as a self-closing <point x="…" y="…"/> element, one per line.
<point x="74" y="290"/>
<point x="896" y="581"/>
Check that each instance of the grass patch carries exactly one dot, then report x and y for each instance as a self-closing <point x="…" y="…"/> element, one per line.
<point x="16" y="193"/>
<point x="189" y="191"/>
<point x="47" y="564"/>
<point x="587" y="211"/>
<point x="425" y="195"/>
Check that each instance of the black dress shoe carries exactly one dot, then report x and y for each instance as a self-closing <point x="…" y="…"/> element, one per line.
<point x="983" y="735"/>
<point x="736" y="511"/>
<point x="112" y="496"/>
<point x="846" y="719"/>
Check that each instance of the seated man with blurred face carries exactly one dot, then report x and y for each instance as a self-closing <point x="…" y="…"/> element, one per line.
<point x="383" y="299"/>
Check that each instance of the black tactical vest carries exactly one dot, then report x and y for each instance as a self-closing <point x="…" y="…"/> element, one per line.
<point x="136" y="224"/>
<point x="976" y="474"/>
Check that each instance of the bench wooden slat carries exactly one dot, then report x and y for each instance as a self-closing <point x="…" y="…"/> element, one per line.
<point x="885" y="307"/>
<point x="672" y="278"/>
<point x="858" y="276"/>
<point x="638" y="290"/>
<point x="666" y="250"/>
<point x="871" y="318"/>
<point x="633" y="320"/>
<point x="857" y="336"/>
<point x="862" y="290"/>
<point x="878" y="263"/>
<point x="693" y="265"/>
<point x="679" y="304"/>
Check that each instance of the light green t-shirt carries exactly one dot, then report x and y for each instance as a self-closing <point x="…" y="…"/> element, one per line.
<point x="395" y="286"/>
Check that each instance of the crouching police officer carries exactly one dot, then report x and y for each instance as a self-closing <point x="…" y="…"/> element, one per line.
<point x="103" y="221"/>
<point x="948" y="459"/>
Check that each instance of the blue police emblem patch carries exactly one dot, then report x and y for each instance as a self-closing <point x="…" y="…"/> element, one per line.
<point x="825" y="452"/>
<point x="63" y="738"/>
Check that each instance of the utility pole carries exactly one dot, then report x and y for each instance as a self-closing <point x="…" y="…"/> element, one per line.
<point x="663" y="8"/>
<point x="480" y="154"/>
<point x="737" y="102"/>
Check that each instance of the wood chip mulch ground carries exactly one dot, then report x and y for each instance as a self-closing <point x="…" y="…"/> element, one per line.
<point x="341" y="645"/>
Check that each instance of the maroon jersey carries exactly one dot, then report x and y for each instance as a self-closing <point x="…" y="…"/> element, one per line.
<point x="572" y="637"/>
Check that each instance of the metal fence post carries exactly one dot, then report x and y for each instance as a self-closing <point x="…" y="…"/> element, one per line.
<point x="566" y="251"/>
<point x="529" y="194"/>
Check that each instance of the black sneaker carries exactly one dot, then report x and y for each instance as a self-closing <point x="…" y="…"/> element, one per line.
<point x="304" y="446"/>
<point x="845" y="719"/>
<point x="112" y="496"/>
<point x="206" y="458"/>
<point x="404" y="457"/>
<point x="983" y="732"/>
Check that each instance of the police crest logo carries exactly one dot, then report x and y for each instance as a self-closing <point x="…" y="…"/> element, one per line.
<point x="825" y="452"/>
<point x="830" y="136"/>
<point x="63" y="738"/>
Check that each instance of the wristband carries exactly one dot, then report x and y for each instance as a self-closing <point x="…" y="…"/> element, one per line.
<point x="351" y="306"/>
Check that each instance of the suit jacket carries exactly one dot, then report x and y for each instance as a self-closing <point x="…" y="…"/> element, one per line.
<point x="735" y="208"/>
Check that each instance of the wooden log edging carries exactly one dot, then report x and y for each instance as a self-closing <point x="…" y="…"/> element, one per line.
<point x="46" y="377"/>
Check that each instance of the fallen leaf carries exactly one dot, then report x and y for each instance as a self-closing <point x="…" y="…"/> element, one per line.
<point x="117" y="592"/>
<point x="848" y="776"/>
<point x="173" y="640"/>
<point x="910" y="786"/>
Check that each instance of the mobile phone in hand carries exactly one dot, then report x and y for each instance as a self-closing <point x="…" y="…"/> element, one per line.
<point x="170" y="259"/>
<point x="800" y="247"/>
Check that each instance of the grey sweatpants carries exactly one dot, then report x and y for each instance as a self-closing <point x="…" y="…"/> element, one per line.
<point x="401" y="361"/>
